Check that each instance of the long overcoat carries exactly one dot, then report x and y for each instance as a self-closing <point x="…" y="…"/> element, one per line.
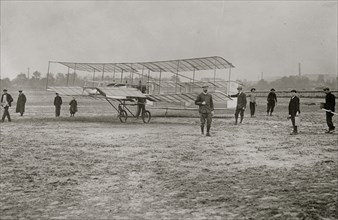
<point x="294" y="106"/>
<point x="73" y="106"/>
<point x="21" y="103"/>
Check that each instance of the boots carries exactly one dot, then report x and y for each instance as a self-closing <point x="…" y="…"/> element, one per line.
<point x="202" y="130"/>
<point x="208" y="130"/>
<point x="241" y="120"/>
<point x="295" y="130"/>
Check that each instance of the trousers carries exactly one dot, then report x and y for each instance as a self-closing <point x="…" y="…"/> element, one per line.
<point x="329" y="121"/>
<point x="6" y="114"/>
<point x="57" y="111"/>
<point x="270" y="107"/>
<point x="252" y="108"/>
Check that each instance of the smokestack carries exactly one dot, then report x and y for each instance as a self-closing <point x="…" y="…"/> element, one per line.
<point x="299" y="69"/>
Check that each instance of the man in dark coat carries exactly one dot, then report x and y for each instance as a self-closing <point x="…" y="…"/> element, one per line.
<point x="241" y="104"/>
<point x="272" y="100"/>
<point x="141" y="102"/>
<point x="57" y="103"/>
<point x="6" y="102"/>
<point x="206" y="108"/>
<point x="294" y="110"/>
<point x="330" y="104"/>
<point x="20" y="104"/>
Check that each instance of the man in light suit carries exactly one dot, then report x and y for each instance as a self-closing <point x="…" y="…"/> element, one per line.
<point x="6" y="102"/>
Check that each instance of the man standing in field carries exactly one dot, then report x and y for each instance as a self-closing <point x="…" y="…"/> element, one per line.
<point x="73" y="107"/>
<point x="330" y="103"/>
<point x="57" y="104"/>
<point x="252" y="102"/>
<point x="272" y="100"/>
<point x="20" y="104"/>
<point x="206" y="108"/>
<point x="141" y="102"/>
<point x="241" y="104"/>
<point x="6" y="102"/>
<point x="294" y="110"/>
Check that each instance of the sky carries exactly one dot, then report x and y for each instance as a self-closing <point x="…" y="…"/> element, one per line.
<point x="272" y="37"/>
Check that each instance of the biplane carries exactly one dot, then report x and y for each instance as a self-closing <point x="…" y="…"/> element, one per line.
<point x="121" y="93"/>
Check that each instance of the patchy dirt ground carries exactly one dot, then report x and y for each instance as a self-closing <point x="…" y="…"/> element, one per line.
<point x="93" y="167"/>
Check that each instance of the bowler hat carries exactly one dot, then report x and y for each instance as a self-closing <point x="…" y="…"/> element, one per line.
<point x="293" y="90"/>
<point x="205" y="85"/>
<point x="272" y="89"/>
<point x="5" y="90"/>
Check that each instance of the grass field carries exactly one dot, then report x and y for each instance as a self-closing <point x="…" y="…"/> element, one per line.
<point x="94" y="167"/>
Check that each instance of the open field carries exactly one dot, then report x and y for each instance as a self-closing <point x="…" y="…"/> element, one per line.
<point x="93" y="167"/>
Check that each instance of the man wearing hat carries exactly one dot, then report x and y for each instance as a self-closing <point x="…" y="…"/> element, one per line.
<point x="272" y="99"/>
<point x="20" y="104"/>
<point x="206" y="108"/>
<point x="294" y="110"/>
<point x="57" y="104"/>
<point x="241" y="104"/>
<point x="330" y="104"/>
<point x="6" y="102"/>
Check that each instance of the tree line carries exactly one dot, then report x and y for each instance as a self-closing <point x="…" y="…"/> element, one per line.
<point x="37" y="82"/>
<point x="295" y="82"/>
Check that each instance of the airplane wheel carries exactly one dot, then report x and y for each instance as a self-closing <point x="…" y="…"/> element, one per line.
<point x="146" y="117"/>
<point x="123" y="116"/>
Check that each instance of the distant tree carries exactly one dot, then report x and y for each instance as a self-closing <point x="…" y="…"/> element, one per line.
<point x="60" y="79"/>
<point x="262" y="85"/>
<point x="21" y="77"/>
<point x="321" y="78"/>
<point x="21" y="80"/>
<point x="51" y="80"/>
<point x="36" y="75"/>
<point x="5" y="83"/>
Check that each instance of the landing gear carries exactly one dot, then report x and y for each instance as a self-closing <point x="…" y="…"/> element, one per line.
<point x="146" y="116"/>
<point x="122" y="114"/>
